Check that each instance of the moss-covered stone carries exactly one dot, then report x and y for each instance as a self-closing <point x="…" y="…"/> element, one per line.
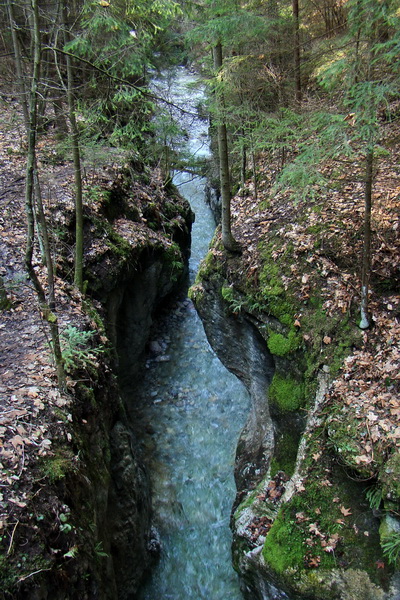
<point x="390" y="477"/>
<point x="324" y="527"/>
<point x="286" y="393"/>
<point x="324" y="543"/>
<point x="280" y="345"/>
<point x="285" y="454"/>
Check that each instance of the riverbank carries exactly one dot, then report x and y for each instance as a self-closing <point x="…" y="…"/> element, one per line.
<point x="320" y="502"/>
<point x="74" y="494"/>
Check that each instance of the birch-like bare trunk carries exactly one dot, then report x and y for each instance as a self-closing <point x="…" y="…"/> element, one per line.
<point x="228" y="240"/>
<point x="366" y="257"/>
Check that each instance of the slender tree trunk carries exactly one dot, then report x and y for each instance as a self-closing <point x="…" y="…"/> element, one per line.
<point x="18" y="64"/>
<point x="254" y="165"/>
<point x="47" y="307"/>
<point x="78" y="275"/>
<point x="76" y="153"/>
<point x="297" y="71"/>
<point x="5" y="303"/>
<point x="45" y="240"/>
<point x="228" y="240"/>
<point x="243" y="168"/>
<point x="366" y="258"/>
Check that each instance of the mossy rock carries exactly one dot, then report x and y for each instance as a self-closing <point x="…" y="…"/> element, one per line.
<point x="286" y="393"/>
<point x="390" y="477"/>
<point x="325" y="532"/>
<point x="281" y="345"/>
<point x="286" y="448"/>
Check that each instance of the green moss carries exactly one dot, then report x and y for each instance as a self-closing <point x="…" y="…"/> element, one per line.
<point x="94" y="314"/>
<point x="119" y="245"/>
<point x="115" y="242"/>
<point x="173" y="258"/>
<point x="284" y="546"/>
<point x="249" y="500"/>
<point x="280" y="345"/>
<point x="277" y="296"/>
<point x="58" y="465"/>
<point x="329" y="511"/>
<point x="15" y="567"/>
<point x="210" y="266"/>
<point x="286" y="447"/>
<point x="286" y="392"/>
<point x="86" y="393"/>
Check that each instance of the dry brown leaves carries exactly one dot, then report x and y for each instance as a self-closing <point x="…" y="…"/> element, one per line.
<point x="325" y="236"/>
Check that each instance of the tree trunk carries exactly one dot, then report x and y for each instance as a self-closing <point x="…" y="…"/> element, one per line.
<point x="298" y="94"/>
<point x="45" y="239"/>
<point x="5" y="303"/>
<point x="18" y="64"/>
<point x="243" y="169"/>
<point x="46" y="307"/>
<point x="78" y="274"/>
<point x="228" y="240"/>
<point x="366" y="257"/>
<point x="254" y="165"/>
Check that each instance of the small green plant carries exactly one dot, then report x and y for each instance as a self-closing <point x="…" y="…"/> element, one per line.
<point x="72" y="552"/>
<point x="96" y="194"/>
<point x="391" y="547"/>
<point x="57" y="466"/>
<point x="76" y="351"/>
<point x="235" y="304"/>
<point x="65" y="527"/>
<point x="374" y="496"/>
<point x="99" y="551"/>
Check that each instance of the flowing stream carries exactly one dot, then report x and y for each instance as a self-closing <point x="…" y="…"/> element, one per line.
<point x="191" y="410"/>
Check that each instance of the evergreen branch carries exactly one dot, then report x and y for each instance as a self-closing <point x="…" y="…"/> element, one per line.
<point x="120" y="80"/>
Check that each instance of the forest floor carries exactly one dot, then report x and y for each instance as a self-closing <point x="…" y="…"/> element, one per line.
<point x="38" y="422"/>
<point x="34" y="414"/>
<point x="319" y="240"/>
<point x="367" y="384"/>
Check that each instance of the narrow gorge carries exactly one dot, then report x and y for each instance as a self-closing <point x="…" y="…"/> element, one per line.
<point x="201" y="450"/>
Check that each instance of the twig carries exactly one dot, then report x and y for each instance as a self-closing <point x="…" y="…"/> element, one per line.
<point x="12" y="539"/>
<point x="31" y="574"/>
<point x="370" y="439"/>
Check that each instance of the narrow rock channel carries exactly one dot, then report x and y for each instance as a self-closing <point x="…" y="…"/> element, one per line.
<point x="191" y="410"/>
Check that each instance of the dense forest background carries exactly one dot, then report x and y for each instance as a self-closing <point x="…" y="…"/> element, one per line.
<point x="310" y="83"/>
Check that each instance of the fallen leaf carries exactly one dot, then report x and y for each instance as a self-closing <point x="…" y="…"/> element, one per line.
<point x="372" y="416"/>
<point x="345" y="511"/>
<point x="17" y="441"/>
<point x="17" y="502"/>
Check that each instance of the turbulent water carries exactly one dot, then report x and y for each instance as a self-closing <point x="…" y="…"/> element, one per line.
<point x="192" y="410"/>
